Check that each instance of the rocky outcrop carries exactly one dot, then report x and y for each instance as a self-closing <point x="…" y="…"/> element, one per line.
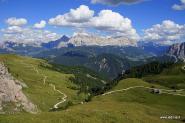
<point x="178" y="50"/>
<point x="11" y="91"/>
<point x="94" y="40"/>
<point x="103" y="65"/>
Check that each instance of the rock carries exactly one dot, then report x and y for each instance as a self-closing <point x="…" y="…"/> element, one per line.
<point x="82" y="39"/>
<point x="103" y="65"/>
<point x="155" y="91"/>
<point x="178" y="50"/>
<point x="11" y="91"/>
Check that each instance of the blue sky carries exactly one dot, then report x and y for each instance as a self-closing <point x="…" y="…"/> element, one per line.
<point x="143" y="15"/>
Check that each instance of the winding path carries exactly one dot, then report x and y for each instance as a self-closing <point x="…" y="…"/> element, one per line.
<point x="64" y="98"/>
<point x="133" y="87"/>
<point x="44" y="79"/>
<point x="162" y="90"/>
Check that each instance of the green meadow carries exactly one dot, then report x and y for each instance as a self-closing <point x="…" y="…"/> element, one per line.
<point x="137" y="105"/>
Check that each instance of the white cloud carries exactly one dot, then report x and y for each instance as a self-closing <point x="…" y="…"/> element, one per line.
<point x="167" y="32"/>
<point x="110" y="21"/>
<point x="16" y="21"/>
<point x="179" y="6"/>
<point x="28" y="35"/>
<point x="12" y="29"/>
<point x="106" y="20"/>
<point x="40" y="25"/>
<point x="116" y="2"/>
<point x="76" y="17"/>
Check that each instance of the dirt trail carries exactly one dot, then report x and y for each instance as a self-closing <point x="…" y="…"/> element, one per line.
<point x="165" y="91"/>
<point x="133" y="87"/>
<point x="64" y="98"/>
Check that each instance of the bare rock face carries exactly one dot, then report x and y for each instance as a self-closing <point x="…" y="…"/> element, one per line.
<point x="178" y="50"/>
<point x="104" y="65"/>
<point x="92" y="40"/>
<point x="11" y="91"/>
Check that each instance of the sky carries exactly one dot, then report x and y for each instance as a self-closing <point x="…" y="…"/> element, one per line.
<point x="161" y="21"/>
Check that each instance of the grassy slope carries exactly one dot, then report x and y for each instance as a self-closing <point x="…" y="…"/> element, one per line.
<point x="42" y="95"/>
<point x="134" y="106"/>
<point x="171" y="77"/>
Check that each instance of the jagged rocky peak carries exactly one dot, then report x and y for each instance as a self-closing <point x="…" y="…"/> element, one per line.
<point x="57" y="43"/>
<point x="84" y="39"/>
<point x="11" y="92"/>
<point x="178" y="50"/>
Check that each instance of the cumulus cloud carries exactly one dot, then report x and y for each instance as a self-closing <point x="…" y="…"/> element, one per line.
<point x="179" y="6"/>
<point x="116" y="2"/>
<point x="76" y="17"/>
<point x="12" y="29"/>
<point x="106" y="20"/>
<point x="16" y="21"/>
<point x="40" y="25"/>
<point x="28" y="35"/>
<point x="166" y="33"/>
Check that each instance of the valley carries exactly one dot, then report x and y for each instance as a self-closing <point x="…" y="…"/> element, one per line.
<point x="58" y="99"/>
<point x="92" y="61"/>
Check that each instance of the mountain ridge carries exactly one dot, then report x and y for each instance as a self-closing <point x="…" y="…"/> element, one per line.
<point x="178" y="50"/>
<point x="92" y="40"/>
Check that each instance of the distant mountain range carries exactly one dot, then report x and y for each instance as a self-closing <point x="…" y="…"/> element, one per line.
<point x="107" y="56"/>
<point x="81" y="39"/>
<point x="93" y="40"/>
<point x="153" y="48"/>
<point x="55" y="44"/>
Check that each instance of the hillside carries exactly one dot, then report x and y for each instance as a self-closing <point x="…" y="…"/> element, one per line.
<point x="173" y="77"/>
<point x="168" y="74"/>
<point x="92" y="61"/>
<point x="107" y="60"/>
<point x="132" y="106"/>
<point x="46" y="87"/>
<point x="69" y="94"/>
